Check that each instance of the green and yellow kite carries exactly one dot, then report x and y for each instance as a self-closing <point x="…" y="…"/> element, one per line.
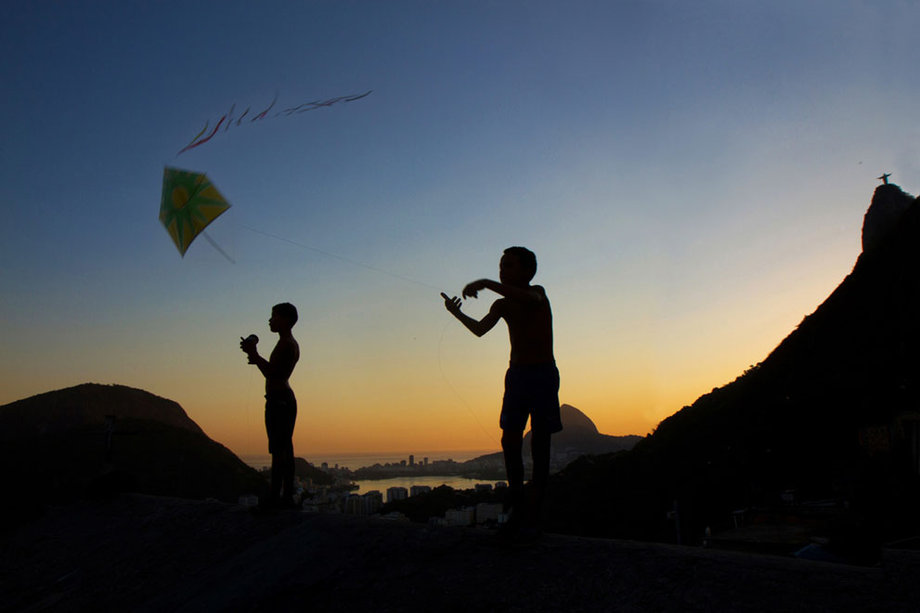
<point x="189" y="203"/>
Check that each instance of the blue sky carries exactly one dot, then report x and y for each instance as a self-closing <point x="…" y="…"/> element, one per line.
<point x="692" y="178"/>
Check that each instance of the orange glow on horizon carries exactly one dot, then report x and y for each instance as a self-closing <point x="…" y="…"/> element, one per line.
<point x="436" y="386"/>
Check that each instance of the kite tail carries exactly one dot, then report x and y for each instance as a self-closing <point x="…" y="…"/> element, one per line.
<point x="353" y="98"/>
<point x="197" y="136"/>
<point x="204" y="140"/>
<point x="265" y="112"/>
<point x="230" y="117"/>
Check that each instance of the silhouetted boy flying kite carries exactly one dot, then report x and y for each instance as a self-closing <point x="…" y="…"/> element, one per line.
<point x="280" y="403"/>
<point x="532" y="379"/>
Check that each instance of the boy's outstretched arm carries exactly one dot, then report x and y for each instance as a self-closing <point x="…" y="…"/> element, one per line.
<point x="523" y="294"/>
<point x="476" y="327"/>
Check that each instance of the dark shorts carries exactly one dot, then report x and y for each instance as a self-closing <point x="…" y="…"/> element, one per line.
<point x="531" y="390"/>
<point x="280" y="414"/>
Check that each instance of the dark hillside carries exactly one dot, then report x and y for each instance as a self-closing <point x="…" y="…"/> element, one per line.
<point x="831" y="414"/>
<point x="98" y="439"/>
<point x="87" y="405"/>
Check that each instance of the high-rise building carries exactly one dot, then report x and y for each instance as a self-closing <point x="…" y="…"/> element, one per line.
<point x="461" y="517"/>
<point x="354" y="505"/>
<point x="397" y="493"/>
<point x="365" y="504"/>
<point x="415" y="490"/>
<point x="488" y="512"/>
<point x="373" y="500"/>
<point x="411" y="460"/>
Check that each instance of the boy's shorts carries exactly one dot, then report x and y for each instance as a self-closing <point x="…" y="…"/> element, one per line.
<point x="280" y="415"/>
<point x="531" y="390"/>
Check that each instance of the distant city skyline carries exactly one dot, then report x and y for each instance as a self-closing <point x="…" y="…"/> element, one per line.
<point x="354" y="461"/>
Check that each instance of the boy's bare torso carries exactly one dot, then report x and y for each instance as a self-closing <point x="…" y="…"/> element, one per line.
<point x="530" y="328"/>
<point x="283" y="359"/>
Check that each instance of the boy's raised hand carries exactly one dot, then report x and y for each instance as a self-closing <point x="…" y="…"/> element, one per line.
<point x="451" y="304"/>
<point x="248" y="344"/>
<point x="472" y="289"/>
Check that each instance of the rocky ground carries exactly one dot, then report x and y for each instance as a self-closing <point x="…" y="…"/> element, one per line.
<point x="143" y="553"/>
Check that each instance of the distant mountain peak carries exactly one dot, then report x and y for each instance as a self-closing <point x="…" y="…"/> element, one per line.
<point x="889" y="203"/>
<point x="574" y="419"/>
<point x="580" y="435"/>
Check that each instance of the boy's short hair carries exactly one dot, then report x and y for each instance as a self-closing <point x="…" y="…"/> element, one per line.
<point x="526" y="257"/>
<point x="286" y="310"/>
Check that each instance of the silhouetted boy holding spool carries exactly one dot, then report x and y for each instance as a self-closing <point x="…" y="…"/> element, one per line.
<point x="532" y="379"/>
<point x="280" y="403"/>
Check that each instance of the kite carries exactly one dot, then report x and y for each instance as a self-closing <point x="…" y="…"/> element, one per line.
<point x="201" y="139"/>
<point x="189" y="203"/>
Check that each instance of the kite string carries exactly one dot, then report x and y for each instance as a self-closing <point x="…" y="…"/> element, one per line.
<point x="453" y="389"/>
<point x="343" y="259"/>
<point x="456" y="393"/>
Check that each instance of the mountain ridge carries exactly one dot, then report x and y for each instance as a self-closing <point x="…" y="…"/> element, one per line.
<point x="831" y="413"/>
<point x="88" y="404"/>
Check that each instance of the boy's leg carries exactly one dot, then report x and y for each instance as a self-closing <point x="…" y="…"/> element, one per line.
<point x="274" y="493"/>
<point x="512" y="444"/>
<point x="287" y="474"/>
<point x="545" y="420"/>
<point x="539" y="450"/>
<point x="513" y="420"/>
<point x="274" y="490"/>
<point x="280" y="414"/>
<point x="287" y="451"/>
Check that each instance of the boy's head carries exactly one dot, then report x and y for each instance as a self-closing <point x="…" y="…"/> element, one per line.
<point x="284" y="315"/>
<point x="518" y="266"/>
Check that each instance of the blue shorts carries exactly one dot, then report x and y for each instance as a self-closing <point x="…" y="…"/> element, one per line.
<point x="531" y="390"/>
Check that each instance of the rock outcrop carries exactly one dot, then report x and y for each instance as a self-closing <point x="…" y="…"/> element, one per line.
<point x="888" y="206"/>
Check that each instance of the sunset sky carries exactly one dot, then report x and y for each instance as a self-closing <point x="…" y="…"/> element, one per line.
<point x="692" y="177"/>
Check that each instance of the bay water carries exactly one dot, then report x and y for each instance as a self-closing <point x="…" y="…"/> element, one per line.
<point x="356" y="460"/>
